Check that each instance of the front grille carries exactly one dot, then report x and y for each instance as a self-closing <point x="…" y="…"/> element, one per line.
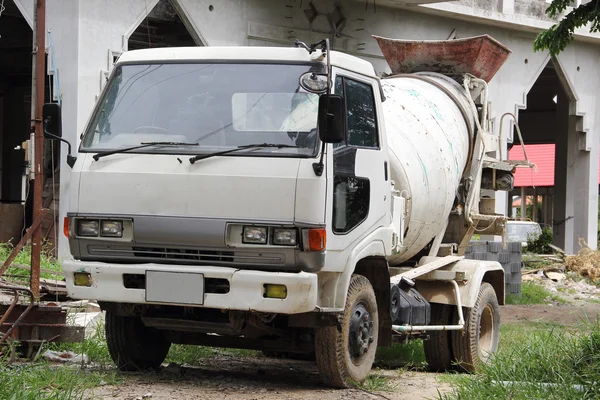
<point x="184" y="254"/>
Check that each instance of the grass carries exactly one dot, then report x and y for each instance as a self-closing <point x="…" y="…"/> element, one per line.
<point x="93" y="347"/>
<point x="197" y="355"/>
<point x="24" y="258"/>
<point x="409" y="355"/>
<point x="376" y="382"/>
<point x="533" y="293"/>
<point x="41" y="381"/>
<point x="538" y="361"/>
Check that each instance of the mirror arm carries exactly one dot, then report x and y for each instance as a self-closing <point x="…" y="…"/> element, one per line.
<point x="70" y="158"/>
<point x="318" y="167"/>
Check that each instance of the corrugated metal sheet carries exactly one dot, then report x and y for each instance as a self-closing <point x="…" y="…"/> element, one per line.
<point x="542" y="155"/>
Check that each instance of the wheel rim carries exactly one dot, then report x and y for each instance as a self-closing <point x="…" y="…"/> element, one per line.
<point x="486" y="330"/>
<point x="361" y="333"/>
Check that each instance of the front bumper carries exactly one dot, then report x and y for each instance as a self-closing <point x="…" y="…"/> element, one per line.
<point x="245" y="293"/>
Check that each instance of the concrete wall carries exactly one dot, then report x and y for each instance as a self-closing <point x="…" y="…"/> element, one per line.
<point x="101" y="25"/>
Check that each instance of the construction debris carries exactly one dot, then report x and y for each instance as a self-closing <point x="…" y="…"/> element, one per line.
<point x="586" y="263"/>
<point x="65" y="357"/>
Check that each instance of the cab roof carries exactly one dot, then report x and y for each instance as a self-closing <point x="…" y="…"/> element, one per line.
<point x="245" y="53"/>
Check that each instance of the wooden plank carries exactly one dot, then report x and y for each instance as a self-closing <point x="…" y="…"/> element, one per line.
<point x="432" y="266"/>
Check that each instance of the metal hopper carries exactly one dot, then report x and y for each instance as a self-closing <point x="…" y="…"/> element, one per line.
<point x="481" y="56"/>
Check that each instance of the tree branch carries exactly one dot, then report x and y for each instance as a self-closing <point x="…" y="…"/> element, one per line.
<point x="560" y="35"/>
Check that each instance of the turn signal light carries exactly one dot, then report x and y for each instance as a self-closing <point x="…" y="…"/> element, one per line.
<point x="66" y="230"/>
<point x="275" y="291"/>
<point x="317" y="239"/>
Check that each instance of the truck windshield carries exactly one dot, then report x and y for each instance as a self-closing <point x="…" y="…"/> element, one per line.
<point x="216" y="106"/>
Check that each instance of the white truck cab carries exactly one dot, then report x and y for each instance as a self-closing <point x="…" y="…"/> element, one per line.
<point x="249" y="197"/>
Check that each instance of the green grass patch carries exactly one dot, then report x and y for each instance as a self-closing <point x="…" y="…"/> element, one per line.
<point x="376" y="382"/>
<point x="42" y="381"/>
<point x="197" y="355"/>
<point x="533" y="293"/>
<point x="93" y="347"/>
<point x="410" y="354"/>
<point x="539" y="361"/>
<point x="24" y="258"/>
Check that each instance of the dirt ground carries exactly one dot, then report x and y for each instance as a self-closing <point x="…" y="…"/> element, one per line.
<point x="565" y="314"/>
<point x="261" y="378"/>
<point x="234" y="378"/>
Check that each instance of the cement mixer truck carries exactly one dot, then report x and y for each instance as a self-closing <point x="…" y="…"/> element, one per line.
<point x="290" y="200"/>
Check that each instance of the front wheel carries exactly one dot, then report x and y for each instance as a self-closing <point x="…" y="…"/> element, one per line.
<point x="132" y="345"/>
<point x="345" y="356"/>
<point x="475" y="344"/>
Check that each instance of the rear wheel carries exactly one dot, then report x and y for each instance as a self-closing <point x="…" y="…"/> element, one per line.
<point x="345" y="356"/>
<point x="438" y="349"/>
<point x="474" y="345"/>
<point x="132" y="345"/>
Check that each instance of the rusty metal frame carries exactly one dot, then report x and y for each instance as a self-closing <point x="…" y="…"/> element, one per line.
<point x="15" y="289"/>
<point x="34" y="226"/>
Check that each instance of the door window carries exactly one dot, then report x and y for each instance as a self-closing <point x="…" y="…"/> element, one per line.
<point x="360" y="113"/>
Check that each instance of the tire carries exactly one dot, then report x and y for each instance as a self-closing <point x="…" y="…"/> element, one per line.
<point x="473" y="346"/>
<point x="132" y="345"/>
<point x="438" y="349"/>
<point x="345" y="357"/>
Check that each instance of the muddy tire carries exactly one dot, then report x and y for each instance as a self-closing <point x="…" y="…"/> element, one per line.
<point x="438" y="349"/>
<point x="345" y="356"/>
<point x="474" y="345"/>
<point x="132" y="345"/>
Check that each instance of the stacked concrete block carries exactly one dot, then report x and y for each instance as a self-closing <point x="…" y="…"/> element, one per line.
<point x="508" y="255"/>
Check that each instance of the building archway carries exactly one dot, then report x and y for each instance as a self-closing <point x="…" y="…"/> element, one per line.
<point x="549" y="126"/>
<point x="166" y="25"/>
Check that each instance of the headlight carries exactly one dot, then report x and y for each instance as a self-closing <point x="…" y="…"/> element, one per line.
<point x="112" y="229"/>
<point x="285" y="237"/>
<point x="88" y="228"/>
<point x="254" y="235"/>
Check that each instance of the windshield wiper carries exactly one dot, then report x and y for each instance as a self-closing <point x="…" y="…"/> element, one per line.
<point x="248" y="146"/>
<point x="141" y="146"/>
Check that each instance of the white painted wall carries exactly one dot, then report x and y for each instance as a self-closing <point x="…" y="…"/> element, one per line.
<point x="101" y="25"/>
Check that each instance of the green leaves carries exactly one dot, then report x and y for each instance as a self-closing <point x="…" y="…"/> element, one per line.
<point x="558" y="37"/>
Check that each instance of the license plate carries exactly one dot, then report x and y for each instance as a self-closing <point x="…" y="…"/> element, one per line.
<point x="174" y="287"/>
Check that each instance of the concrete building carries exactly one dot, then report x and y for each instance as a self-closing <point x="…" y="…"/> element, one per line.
<point x="554" y="99"/>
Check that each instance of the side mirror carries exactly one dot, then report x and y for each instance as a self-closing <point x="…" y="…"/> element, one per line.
<point x="52" y="123"/>
<point x="52" y="126"/>
<point x="332" y="118"/>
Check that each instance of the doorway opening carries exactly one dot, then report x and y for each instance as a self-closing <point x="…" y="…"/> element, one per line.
<point x="545" y="126"/>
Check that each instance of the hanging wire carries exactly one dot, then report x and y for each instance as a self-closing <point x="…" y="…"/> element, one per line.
<point x="2" y="8"/>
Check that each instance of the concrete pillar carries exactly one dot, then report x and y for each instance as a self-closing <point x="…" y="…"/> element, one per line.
<point x="535" y="199"/>
<point x="523" y="203"/>
<point x="545" y="219"/>
<point x="564" y="178"/>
